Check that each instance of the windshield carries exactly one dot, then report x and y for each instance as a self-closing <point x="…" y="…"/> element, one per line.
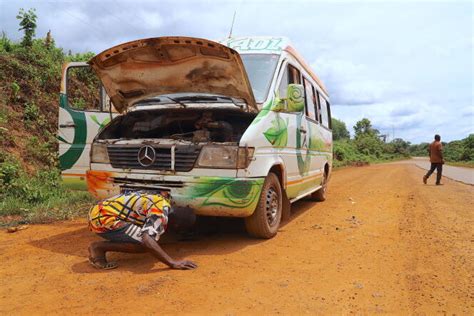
<point x="260" y="69"/>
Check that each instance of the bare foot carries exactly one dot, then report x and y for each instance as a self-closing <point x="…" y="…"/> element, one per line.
<point x="97" y="259"/>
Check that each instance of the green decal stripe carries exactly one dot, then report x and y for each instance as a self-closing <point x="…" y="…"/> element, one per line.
<point x="101" y="125"/>
<point x="277" y="135"/>
<point x="70" y="157"/>
<point x="263" y="112"/>
<point x="303" y="165"/>
<point x="227" y="192"/>
<point x="62" y="139"/>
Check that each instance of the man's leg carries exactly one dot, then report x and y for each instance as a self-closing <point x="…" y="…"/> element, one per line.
<point x="124" y="239"/>
<point x="439" y="172"/>
<point x="428" y="174"/>
<point x="99" y="249"/>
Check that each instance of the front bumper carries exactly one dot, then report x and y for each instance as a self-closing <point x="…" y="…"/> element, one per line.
<point x="213" y="196"/>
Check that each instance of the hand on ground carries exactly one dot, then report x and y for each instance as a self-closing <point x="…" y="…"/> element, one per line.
<point x="183" y="265"/>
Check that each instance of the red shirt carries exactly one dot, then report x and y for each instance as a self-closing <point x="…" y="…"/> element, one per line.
<point x="436" y="152"/>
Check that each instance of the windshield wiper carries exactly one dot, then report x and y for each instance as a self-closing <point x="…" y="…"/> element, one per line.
<point x="177" y="101"/>
<point x="232" y="100"/>
<point x="159" y="100"/>
<point x="197" y="98"/>
<point x="209" y="98"/>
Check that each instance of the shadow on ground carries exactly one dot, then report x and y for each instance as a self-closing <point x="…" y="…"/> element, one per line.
<point x="214" y="236"/>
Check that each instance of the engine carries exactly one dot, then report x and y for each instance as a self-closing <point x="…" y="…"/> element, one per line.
<point x="196" y="126"/>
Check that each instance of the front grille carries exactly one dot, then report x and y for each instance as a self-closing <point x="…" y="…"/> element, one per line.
<point x="126" y="157"/>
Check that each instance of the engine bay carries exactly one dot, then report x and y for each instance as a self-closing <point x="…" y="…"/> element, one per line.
<point x="191" y="125"/>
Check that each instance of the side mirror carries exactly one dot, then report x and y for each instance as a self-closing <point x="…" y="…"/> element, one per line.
<point x="294" y="101"/>
<point x="295" y="98"/>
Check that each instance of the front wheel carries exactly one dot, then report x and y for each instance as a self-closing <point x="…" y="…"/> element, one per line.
<point x="264" y="222"/>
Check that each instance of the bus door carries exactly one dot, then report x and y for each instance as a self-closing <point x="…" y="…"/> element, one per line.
<point x="84" y="109"/>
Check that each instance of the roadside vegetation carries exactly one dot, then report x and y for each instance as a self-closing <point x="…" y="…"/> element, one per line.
<point x="456" y="152"/>
<point x="366" y="147"/>
<point x="30" y="73"/>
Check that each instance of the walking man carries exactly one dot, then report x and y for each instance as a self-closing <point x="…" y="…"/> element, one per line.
<point x="436" y="158"/>
<point x="133" y="223"/>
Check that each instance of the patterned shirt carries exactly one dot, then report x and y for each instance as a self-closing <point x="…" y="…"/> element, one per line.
<point x="148" y="211"/>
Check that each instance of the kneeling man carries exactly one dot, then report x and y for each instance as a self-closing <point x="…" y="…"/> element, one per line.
<point x="133" y="223"/>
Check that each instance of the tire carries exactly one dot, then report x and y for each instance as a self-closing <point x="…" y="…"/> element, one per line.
<point x="265" y="221"/>
<point x="320" y="195"/>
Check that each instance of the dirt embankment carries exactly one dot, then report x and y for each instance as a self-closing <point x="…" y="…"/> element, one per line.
<point x="382" y="243"/>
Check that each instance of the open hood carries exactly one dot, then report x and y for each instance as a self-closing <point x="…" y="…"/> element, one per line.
<point x="141" y="69"/>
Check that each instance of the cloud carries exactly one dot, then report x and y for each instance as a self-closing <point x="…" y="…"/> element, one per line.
<point x="347" y="82"/>
<point x="413" y="120"/>
<point x="352" y="84"/>
<point x="401" y="64"/>
<point x="405" y="110"/>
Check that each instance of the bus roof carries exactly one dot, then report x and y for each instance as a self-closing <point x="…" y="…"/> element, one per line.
<point x="270" y="45"/>
<point x="257" y="44"/>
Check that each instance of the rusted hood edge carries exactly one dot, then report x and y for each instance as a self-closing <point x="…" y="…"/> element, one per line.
<point x="144" y="68"/>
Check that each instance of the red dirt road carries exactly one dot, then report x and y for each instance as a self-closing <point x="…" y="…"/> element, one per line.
<point x="382" y="243"/>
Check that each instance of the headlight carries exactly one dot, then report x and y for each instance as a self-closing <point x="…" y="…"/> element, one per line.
<point x="99" y="153"/>
<point x="226" y="157"/>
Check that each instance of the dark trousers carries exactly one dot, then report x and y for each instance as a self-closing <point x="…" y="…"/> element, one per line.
<point x="439" y="171"/>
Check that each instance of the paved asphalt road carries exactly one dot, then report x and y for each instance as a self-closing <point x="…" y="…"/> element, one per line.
<point x="465" y="175"/>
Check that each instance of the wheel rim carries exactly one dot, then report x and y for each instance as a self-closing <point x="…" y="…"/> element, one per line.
<point x="271" y="206"/>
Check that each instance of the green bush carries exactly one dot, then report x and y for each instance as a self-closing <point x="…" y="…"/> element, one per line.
<point x="3" y="115"/>
<point x="15" y="89"/>
<point x="79" y="103"/>
<point x="460" y="150"/>
<point x="418" y="150"/>
<point x="44" y="152"/>
<point x="9" y="171"/>
<point x="5" y="43"/>
<point x="346" y="153"/>
<point x="39" y="197"/>
<point x="367" y="146"/>
<point x="31" y="112"/>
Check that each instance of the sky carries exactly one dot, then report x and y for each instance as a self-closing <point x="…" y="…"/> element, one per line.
<point x="405" y="65"/>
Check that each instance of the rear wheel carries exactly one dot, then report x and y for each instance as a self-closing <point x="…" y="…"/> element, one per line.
<point x="320" y="195"/>
<point x="264" y="222"/>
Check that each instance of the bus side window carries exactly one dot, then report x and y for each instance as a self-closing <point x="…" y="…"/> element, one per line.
<point x="295" y="76"/>
<point x="318" y="106"/>
<point x="283" y="84"/>
<point x="83" y="89"/>
<point x="329" y="115"/>
<point x="324" y="111"/>
<point x="290" y="75"/>
<point x="310" y="105"/>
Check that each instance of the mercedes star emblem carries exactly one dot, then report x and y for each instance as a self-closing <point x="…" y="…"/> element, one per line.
<point x="146" y="156"/>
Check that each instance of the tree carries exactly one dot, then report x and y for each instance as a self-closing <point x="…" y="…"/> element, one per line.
<point x="364" y="127"/>
<point x="49" y="41"/>
<point x="420" y="150"/>
<point x="366" y="138"/>
<point x="339" y="130"/>
<point x="468" y="153"/>
<point x="369" y="145"/>
<point x="27" y="25"/>
<point x="400" y="146"/>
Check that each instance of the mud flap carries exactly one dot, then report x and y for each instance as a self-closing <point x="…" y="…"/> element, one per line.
<point x="285" y="208"/>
